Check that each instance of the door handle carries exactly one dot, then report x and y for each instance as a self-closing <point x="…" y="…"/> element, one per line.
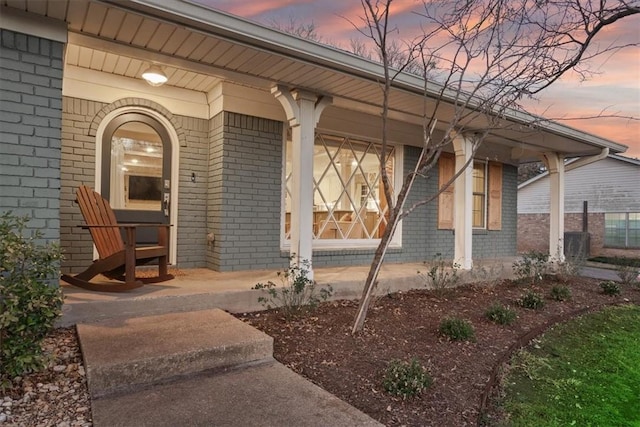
<point x="165" y="204"/>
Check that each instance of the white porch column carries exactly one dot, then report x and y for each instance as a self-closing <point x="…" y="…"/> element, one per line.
<point x="303" y="111"/>
<point x="463" y="203"/>
<point x="555" y="166"/>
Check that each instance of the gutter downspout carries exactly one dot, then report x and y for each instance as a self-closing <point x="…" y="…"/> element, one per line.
<point x="583" y="161"/>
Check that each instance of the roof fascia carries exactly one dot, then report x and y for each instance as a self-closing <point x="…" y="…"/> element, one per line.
<point x="32" y="24"/>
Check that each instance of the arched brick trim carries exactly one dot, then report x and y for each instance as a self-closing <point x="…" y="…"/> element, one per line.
<point x="137" y="102"/>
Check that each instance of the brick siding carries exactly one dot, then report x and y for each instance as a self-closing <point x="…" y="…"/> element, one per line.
<point x="533" y="234"/>
<point x="244" y="201"/>
<point x="30" y="122"/>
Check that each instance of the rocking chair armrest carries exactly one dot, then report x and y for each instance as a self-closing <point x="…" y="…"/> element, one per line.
<point x="86" y="226"/>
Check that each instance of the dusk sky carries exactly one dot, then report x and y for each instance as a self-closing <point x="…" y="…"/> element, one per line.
<point x="613" y="90"/>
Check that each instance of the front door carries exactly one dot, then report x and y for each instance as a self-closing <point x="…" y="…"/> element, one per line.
<point x="136" y="172"/>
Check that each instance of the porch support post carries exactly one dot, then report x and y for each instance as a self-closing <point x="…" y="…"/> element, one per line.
<point x="555" y="166"/>
<point x="463" y="202"/>
<point x="303" y="111"/>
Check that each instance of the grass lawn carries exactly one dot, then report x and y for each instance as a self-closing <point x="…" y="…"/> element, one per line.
<point x="585" y="372"/>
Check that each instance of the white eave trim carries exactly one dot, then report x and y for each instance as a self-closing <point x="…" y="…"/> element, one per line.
<point x="32" y="24"/>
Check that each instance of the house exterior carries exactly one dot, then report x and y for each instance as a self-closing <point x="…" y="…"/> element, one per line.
<point x="611" y="189"/>
<point x="260" y="146"/>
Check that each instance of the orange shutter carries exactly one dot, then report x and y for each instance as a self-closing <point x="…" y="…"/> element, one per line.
<point x="446" y="170"/>
<point x="495" y="196"/>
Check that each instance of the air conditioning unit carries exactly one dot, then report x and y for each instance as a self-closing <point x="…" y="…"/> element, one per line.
<point x="576" y="244"/>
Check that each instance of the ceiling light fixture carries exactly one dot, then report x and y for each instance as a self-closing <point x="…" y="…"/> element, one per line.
<point x="155" y="76"/>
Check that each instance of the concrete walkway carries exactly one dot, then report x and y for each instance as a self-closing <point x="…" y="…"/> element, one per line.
<point x="200" y="368"/>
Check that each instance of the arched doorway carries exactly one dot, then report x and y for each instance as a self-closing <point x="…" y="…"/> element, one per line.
<point x="136" y="171"/>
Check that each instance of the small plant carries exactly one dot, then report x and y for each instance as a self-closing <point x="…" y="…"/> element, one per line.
<point x="531" y="300"/>
<point x="560" y="293"/>
<point x="30" y="298"/>
<point x="296" y="293"/>
<point x="457" y="329"/>
<point x="629" y="276"/>
<point x="406" y="379"/>
<point x="532" y="267"/>
<point x="500" y="314"/>
<point x="610" y="288"/>
<point x="441" y="275"/>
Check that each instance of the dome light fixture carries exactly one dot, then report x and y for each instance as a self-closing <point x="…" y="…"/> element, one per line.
<point x="155" y="76"/>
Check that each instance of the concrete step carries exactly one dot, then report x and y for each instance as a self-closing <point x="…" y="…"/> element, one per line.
<point x="268" y="394"/>
<point x="122" y="355"/>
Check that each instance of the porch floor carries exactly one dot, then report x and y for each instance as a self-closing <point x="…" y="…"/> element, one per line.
<point x="200" y="289"/>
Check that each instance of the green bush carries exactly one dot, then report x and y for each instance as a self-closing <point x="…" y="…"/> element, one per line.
<point x="30" y="298"/>
<point x="296" y="293"/>
<point x="610" y="288"/>
<point x="532" y="267"/>
<point x="406" y="379"/>
<point x="531" y="300"/>
<point x="560" y="293"/>
<point x="457" y="329"/>
<point x="500" y="314"/>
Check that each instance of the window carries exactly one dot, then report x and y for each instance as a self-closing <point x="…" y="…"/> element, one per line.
<point x="486" y="194"/>
<point x="479" y="194"/>
<point x="136" y="167"/>
<point x="348" y="195"/>
<point x="622" y="230"/>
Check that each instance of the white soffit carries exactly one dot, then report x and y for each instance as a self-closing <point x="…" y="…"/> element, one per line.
<point x="102" y="87"/>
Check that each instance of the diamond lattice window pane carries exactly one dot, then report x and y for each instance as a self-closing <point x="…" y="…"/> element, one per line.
<point x="348" y="198"/>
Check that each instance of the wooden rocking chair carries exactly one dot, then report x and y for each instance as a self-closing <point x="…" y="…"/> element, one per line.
<point x="117" y="258"/>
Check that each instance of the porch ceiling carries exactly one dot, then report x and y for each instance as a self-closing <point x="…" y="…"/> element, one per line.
<point x="198" y="48"/>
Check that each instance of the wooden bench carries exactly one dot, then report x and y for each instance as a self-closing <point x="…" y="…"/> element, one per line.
<point x="118" y="258"/>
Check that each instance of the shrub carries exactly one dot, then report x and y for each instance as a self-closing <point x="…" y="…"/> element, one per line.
<point x="297" y="292"/>
<point x="560" y="293"/>
<point x="406" y="379"/>
<point x="500" y="314"/>
<point x="441" y="274"/>
<point x="531" y="300"/>
<point x="610" y="288"/>
<point x="30" y="298"/>
<point x="532" y="267"/>
<point x="457" y="329"/>
<point x="629" y="275"/>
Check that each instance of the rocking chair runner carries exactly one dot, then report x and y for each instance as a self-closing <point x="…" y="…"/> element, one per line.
<point x="117" y="258"/>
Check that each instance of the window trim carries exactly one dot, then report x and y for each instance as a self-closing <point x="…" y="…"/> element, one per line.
<point x="342" y="244"/>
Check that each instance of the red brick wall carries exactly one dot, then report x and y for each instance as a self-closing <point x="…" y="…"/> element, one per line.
<point x="533" y="234"/>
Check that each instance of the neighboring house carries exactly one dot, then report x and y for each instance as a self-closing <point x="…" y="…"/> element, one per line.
<point x="611" y="188"/>
<point x="259" y="146"/>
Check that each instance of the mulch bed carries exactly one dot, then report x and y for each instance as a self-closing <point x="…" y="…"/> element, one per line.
<point x="405" y="325"/>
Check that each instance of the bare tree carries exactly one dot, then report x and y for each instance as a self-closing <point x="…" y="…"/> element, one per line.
<point x="478" y="58"/>
<point x="307" y="31"/>
<point x="526" y="171"/>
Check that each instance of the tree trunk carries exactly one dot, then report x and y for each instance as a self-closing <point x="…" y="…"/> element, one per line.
<point x="372" y="278"/>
